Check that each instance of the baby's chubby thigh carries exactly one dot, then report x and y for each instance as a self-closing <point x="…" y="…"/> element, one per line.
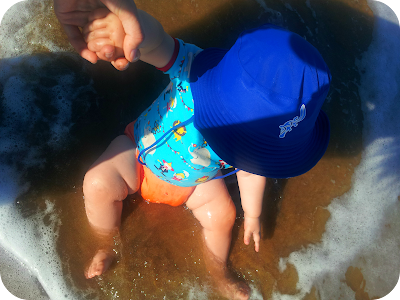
<point x="117" y="169"/>
<point x="212" y="205"/>
<point x="113" y="176"/>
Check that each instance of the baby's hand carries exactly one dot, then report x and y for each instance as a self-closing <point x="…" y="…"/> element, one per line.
<point x="252" y="228"/>
<point x="105" y="29"/>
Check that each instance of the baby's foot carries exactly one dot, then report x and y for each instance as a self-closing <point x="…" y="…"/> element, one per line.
<point x="234" y="289"/>
<point x="99" y="263"/>
<point x="228" y="283"/>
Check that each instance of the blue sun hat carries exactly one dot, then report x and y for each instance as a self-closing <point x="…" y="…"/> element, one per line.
<point x="258" y="105"/>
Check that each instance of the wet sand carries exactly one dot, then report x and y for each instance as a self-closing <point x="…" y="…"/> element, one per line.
<point x="159" y="253"/>
<point x="161" y="245"/>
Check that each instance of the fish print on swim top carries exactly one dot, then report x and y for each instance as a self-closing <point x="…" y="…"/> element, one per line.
<point x="183" y="157"/>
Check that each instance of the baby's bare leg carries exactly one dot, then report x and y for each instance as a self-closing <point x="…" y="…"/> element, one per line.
<point x="212" y="205"/>
<point x="113" y="176"/>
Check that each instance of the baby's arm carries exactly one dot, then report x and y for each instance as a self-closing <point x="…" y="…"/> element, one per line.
<point x="251" y="188"/>
<point x="105" y="28"/>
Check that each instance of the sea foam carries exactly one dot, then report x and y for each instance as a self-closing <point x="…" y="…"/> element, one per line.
<point x="363" y="229"/>
<point x="29" y="240"/>
<point x="16" y="40"/>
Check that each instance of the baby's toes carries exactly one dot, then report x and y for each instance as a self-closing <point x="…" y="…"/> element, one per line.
<point x="242" y="292"/>
<point x="98" y="268"/>
<point x="89" y="271"/>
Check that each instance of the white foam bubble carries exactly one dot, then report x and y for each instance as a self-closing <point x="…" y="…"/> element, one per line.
<point x="32" y="242"/>
<point x="17" y="277"/>
<point x="19" y="30"/>
<point x="196" y="291"/>
<point x="362" y="230"/>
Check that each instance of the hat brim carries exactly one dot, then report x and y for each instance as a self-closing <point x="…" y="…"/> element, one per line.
<point x="262" y="157"/>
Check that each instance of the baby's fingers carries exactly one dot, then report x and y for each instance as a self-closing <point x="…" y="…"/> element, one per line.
<point x="256" y="237"/>
<point x="252" y="230"/>
<point x="94" y="25"/>
<point x="102" y="33"/>
<point x="104" y="48"/>
<point x="76" y="39"/>
<point x="247" y="236"/>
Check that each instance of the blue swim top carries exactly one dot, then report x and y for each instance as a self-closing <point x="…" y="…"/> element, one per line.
<point x="182" y="157"/>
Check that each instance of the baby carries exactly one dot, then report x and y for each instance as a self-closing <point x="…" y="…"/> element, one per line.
<point x="255" y="109"/>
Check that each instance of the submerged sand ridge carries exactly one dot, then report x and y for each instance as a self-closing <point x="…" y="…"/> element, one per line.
<point x="159" y="254"/>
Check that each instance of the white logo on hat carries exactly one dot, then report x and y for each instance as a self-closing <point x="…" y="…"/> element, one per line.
<point x="287" y="127"/>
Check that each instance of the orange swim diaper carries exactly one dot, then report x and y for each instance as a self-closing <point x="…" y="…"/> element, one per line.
<point x="155" y="190"/>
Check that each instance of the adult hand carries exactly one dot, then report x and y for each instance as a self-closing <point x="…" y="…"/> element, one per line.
<point x="73" y="14"/>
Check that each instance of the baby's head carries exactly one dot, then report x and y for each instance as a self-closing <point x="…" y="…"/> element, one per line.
<point x="258" y="105"/>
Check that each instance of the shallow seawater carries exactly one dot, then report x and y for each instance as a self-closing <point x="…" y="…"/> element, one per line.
<point x="59" y="112"/>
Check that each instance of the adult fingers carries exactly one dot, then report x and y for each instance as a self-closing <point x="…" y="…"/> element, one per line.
<point x="94" y="25"/>
<point x="120" y="64"/>
<point x="98" y="14"/>
<point x="104" y="48"/>
<point x="97" y="34"/>
<point x="76" y="39"/>
<point x="127" y="13"/>
<point x="110" y="53"/>
<point x="113" y="55"/>
<point x="76" y="18"/>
